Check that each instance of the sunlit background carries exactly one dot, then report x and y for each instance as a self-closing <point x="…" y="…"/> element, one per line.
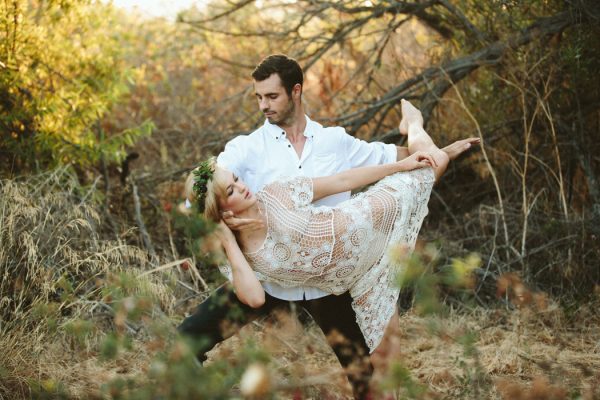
<point x="158" y="8"/>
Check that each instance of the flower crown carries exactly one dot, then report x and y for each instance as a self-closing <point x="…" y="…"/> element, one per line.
<point x="202" y="175"/>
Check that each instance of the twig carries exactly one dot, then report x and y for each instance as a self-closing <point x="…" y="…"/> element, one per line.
<point x="130" y="327"/>
<point x="165" y="266"/>
<point x="288" y="345"/>
<point x="462" y="103"/>
<point x="141" y="225"/>
<point x="185" y="285"/>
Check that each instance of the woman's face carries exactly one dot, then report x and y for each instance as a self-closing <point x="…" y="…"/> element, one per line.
<point x="236" y="195"/>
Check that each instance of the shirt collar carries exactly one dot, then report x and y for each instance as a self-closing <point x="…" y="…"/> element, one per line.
<point x="276" y="132"/>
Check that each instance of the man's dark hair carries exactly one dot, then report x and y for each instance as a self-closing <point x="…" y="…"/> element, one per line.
<point x="287" y="68"/>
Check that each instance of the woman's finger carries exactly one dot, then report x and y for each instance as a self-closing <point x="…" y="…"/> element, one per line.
<point x="433" y="163"/>
<point x="429" y="158"/>
<point x="425" y="158"/>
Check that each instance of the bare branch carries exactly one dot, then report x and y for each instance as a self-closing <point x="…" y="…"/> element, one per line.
<point x="225" y="13"/>
<point x="437" y="80"/>
<point x="464" y="20"/>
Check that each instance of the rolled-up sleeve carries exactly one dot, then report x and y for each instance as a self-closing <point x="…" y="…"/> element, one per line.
<point x="361" y="153"/>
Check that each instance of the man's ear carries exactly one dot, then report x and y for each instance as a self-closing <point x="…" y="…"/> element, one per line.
<point x="297" y="90"/>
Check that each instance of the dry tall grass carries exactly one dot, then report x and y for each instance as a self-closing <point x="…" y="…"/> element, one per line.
<point x="54" y="306"/>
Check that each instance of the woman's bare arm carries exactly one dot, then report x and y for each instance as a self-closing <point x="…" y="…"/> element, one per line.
<point x="358" y="177"/>
<point x="245" y="283"/>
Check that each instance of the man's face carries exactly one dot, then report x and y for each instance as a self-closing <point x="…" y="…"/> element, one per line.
<point x="274" y="101"/>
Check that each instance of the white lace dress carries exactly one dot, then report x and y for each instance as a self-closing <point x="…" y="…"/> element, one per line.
<point x="343" y="248"/>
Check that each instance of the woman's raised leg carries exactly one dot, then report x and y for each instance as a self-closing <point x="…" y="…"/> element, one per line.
<point x="418" y="139"/>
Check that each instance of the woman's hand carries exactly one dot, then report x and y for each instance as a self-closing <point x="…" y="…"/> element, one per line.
<point x="241" y="224"/>
<point x="419" y="159"/>
<point x="225" y="235"/>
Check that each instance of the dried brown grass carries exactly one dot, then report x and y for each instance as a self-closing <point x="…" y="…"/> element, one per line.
<point x="54" y="269"/>
<point x="525" y="354"/>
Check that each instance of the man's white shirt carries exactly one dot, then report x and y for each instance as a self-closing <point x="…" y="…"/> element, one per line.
<point x="266" y="155"/>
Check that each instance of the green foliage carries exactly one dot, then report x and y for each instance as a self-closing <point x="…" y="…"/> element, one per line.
<point x="422" y="272"/>
<point x="399" y="377"/>
<point x="474" y="380"/>
<point x="79" y="330"/>
<point x="175" y="373"/>
<point x="61" y="72"/>
<point x="48" y="389"/>
<point x="196" y="232"/>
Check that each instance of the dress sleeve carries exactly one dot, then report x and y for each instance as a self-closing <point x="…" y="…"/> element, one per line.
<point x="225" y="270"/>
<point x="293" y="192"/>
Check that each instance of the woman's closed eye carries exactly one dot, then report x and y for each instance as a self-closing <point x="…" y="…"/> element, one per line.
<point x="230" y="189"/>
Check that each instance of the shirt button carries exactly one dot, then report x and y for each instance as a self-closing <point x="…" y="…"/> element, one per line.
<point x="289" y="145"/>
<point x="300" y="167"/>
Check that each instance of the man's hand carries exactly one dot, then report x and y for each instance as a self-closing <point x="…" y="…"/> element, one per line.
<point x="241" y="224"/>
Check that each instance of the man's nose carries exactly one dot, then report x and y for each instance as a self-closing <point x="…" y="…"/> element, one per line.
<point x="263" y="104"/>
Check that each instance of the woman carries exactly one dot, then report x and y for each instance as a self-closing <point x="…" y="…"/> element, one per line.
<point x="337" y="248"/>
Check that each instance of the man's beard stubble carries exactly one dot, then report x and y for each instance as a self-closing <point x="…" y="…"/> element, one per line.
<point x="287" y="116"/>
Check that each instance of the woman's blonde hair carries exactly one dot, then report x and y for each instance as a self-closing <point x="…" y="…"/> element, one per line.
<point x="214" y="191"/>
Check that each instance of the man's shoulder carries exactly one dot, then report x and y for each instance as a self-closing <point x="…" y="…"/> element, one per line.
<point x="248" y="138"/>
<point x="258" y="132"/>
<point x="327" y="132"/>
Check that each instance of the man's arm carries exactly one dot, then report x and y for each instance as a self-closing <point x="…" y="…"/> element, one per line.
<point x="360" y="153"/>
<point x="401" y="153"/>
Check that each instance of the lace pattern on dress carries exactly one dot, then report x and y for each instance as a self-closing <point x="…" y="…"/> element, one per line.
<point x="343" y="248"/>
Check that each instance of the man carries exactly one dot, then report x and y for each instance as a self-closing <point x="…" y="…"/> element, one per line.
<point x="290" y="144"/>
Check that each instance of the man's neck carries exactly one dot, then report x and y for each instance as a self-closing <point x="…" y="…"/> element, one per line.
<point x="295" y="128"/>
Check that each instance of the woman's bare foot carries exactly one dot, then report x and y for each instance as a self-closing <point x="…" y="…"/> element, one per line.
<point x="410" y="115"/>
<point x="455" y="149"/>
